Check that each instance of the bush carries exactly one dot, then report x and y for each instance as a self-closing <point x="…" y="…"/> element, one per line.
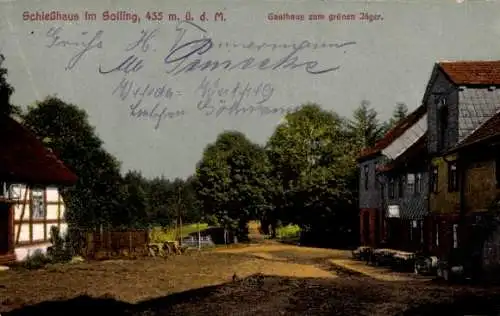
<point x="36" y="261"/>
<point x="61" y="250"/>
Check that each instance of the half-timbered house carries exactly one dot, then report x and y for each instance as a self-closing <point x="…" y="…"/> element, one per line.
<point x="30" y="202"/>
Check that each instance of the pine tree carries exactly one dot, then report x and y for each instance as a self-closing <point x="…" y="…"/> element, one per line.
<point x="399" y="113"/>
<point x="365" y="128"/>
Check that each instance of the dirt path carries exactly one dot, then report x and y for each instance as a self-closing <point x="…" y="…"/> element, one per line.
<point x="289" y="260"/>
<point x="271" y="279"/>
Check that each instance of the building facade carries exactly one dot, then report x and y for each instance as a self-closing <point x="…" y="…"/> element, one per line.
<point x="433" y="191"/>
<point x="383" y="204"/>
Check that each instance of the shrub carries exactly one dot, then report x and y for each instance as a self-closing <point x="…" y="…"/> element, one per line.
<point x="36" y="260"/>
<point x="61" y="250"/>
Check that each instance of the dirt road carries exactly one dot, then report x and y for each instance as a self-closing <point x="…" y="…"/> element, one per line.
<point x="270" y="279"/>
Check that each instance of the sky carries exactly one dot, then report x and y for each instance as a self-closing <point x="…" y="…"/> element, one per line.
<point x="161" y="88"/>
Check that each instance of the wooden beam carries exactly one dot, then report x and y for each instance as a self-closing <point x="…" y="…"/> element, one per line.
<point x="18" y="234"/>
<point x="10" y="229"/>
<point x="31" y="216"/>
<point x="38" y="221"/>
<point x="8" y="258"/>
<point x="45" y="232"/>
<point x="59" y="203"/>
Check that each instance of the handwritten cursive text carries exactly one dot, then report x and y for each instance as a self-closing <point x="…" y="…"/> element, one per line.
<point x="156" y="113"/>
<point x="83" y="46"/>
<point x="181" y="58"/>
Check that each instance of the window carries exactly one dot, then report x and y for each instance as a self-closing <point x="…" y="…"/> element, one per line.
<point x="455" y="236"/>
<point x="443" y="123"/>
<point x="401" y="186"/>
<point x="497" y="171"/>
<point x="37" y="204"/>
<point x="366" y="173"/>
<point x="452" y="177"/>
<point x="15" y="191"/>
<point x="411" y="182"/>
<point x="418" y="182"/>
<point x="434" y="179"/>
<point x="391" y="188"/>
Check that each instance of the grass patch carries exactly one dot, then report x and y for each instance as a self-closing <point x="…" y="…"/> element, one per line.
<point x="288" y="232"/>
<point x="159" y="234"/>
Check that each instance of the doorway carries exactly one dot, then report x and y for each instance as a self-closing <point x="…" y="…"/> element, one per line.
<point x="4" y="228"/>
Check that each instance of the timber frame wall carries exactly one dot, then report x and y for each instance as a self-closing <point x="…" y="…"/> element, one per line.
<point x="31" y="230"/>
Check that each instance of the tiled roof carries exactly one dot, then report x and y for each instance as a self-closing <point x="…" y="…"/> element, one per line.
<point x="394" y="132"/>
<point x="24" y="159"/>
<point x="472" y="72"/>
<point x="418" y="149"/>
<point x="489" y="129"/>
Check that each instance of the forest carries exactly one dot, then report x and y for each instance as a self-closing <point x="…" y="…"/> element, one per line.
<point x="306" y="173"/>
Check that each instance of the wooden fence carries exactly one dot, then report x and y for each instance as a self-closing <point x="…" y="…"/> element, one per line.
<point x="100" y="244"/>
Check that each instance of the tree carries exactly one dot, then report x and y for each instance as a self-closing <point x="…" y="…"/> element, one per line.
<point x="192" y="206"/>
<point x="159" y="195"/>
<point x="399" y="113"/>
<point x="6" y="91"/>
<point x="313" y="161"/>
<point x="135" y="212"/>
<point x="98" y="196"/>
<point x="364" y="128"/>
<point x="230" y="181"/>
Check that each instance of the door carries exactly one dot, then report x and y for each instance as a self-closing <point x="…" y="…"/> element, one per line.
<point x="4" y="227"/>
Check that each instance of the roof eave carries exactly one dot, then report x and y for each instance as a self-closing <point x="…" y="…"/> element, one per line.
<point x="466" y="145"/>
<point x="368" y="156"/>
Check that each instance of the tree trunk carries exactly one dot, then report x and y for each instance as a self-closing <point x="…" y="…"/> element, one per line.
<point x="273" y="230"/>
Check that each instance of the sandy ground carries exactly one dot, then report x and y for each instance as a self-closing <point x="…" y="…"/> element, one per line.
<point x="270" y="279"/>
